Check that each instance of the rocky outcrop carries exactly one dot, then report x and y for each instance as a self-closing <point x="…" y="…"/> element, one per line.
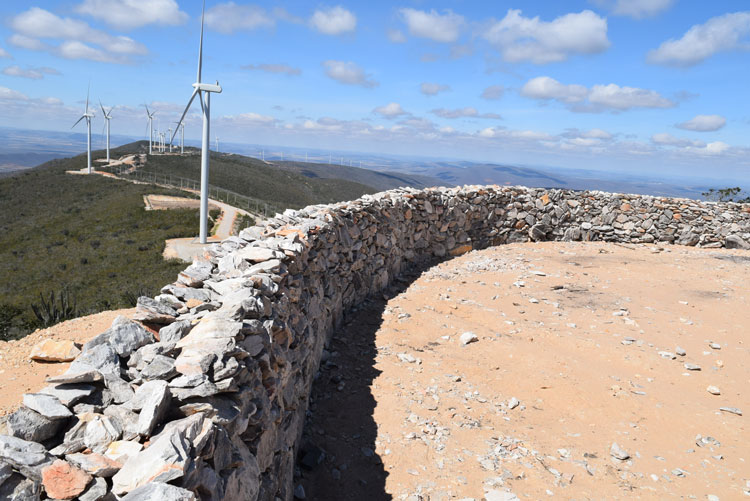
<point x="209" y="401"/>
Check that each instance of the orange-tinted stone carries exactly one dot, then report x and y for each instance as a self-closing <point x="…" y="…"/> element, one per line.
<point x="62" y="480"/>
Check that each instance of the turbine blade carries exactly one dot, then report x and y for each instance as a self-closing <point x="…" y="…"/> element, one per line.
<point x="195" y="92"/>
<point x="200" y="46"/>
<point x="102" y="107"/>
<point x="84" y="116"/>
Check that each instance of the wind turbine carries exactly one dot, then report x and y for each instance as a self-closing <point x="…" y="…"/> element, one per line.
<point x="199" y="89"/>
<point x="170" y="143"/>
<point x="217" y="144"/>
<point x="88" y="116"/>
<point x="107" y="118"/>
<point x="151" y="129"/>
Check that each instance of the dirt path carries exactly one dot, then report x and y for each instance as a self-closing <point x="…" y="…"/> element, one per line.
<point x="20" y="375"/>
<point x="574" y="348"/>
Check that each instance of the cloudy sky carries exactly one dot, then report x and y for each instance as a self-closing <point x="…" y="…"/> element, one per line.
<point x="654" y="86"/>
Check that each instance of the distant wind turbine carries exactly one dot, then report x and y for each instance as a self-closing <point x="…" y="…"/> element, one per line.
<point x="88" y="116"/>
<point x="170" y="143"/>
<point x="199" y="89"/>
<point x="150" y="129"/>
<point x="107" y="118"/>
<point x="217" y="144"/>
<point x="181" y="128"/>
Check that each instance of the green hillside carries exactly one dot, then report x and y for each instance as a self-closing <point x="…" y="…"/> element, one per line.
<point x="87" y="234"/>
<point x="254" y="178"/>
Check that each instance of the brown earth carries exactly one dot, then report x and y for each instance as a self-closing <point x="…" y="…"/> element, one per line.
<point x="19" y="374"/>
<point x="571" y="331"/>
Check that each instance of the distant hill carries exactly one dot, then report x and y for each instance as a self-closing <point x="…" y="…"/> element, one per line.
<point x="281" y="184"/>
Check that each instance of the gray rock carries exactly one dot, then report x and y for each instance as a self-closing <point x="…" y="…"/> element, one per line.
<point x="72" y="377"/>
<point x="95" y="491"/>
<point x="102" y="358"/>
<point x="46" y="405"/>
<point x="125" y="336"/>
<point x="6" y="471"/>
<point x="731" y="410"/>
<point x="152" y="311"/>
<point x="195" y="274"/>
<point x="539" y="231"/>
<point x="27" y="457"/>
<point x="692" y="367"/>
<point x="164" y="460"/>
<point x="19" y="488"/>
<point x="125" y="419"/>
<point x="153" y="399"/>
<point x="119" y="388"/>
<point x="174" y="331"/>
<point x="468" y="337"/>
<point x="101" y="431"/>
<point x="69" y="394"/>
<point x="735" y="242"/>
<point x="618" y="452"/>
<point x="160" y="367"/>
<point x="681" y="352"/>
<point x="299" y="492"/>
<point x="159" y="491"/>
<point x="30" y="425"/>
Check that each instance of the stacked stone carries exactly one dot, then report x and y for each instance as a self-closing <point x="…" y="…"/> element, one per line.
<point x="209" y="401"/>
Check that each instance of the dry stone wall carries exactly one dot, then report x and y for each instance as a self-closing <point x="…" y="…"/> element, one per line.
<point x="209" y="401"/>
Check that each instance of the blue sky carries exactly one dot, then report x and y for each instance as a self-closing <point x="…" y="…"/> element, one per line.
<point x="642" y="86"/>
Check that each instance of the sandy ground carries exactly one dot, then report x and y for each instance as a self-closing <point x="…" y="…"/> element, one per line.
<point x="19" y="374"/>
<point x="576" y="349"/>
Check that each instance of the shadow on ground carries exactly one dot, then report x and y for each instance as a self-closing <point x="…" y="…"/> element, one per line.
<point x="337" y="460"/>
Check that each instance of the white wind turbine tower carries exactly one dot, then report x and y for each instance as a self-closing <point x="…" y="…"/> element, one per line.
<point x="199" y="90"/>
<point x="150" y="129"/>
<point x="88" y="116"/>
<point x="217" y="144"/>
<point x="170" y="143"/>
<point x="107" y="118"/>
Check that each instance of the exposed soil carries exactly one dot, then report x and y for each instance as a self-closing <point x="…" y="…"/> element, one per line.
<point x="21" y="375"/>
<point x="576" y="349"/>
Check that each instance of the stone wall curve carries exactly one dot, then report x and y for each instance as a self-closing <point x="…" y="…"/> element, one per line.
<point x="218" y="389"/>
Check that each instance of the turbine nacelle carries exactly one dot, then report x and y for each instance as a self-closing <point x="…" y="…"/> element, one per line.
<point x="208" y="87"/>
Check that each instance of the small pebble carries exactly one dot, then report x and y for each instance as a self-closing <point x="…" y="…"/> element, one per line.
<point x="731" y="410"/>
<point x="680" y="351"/>
<point x="692" y="367"/>
<point x="714" y="346"/>
<point x="713" y="390"/>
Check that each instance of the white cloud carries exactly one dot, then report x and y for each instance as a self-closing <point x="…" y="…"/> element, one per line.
<point x="333" y="21"/>
<point x="229" y="17"/>
<point x="521" y="39"/>
<point x="77" y="36"/>
<point x="250" y="118"/>
<point x="444" y="27"/>
<point x="718" y="34"/>
<point x="432" y="89"/>
<point x="348" y="73"/>
<point x="32" y="73"/>
<point x="128" y="14"/>
<point x="637" y="9"/>
<point x="4" y="54"/>
<point x="624" y="98"/>
<point x="549" y="88"/>
<point x="716" y="148"/>
<point x="600" y="97"/>
<point x="390" y="110"/>
<point x="273" y="68"/>
<point x="597" y="134"/>
<point x="703" y="123"/>
<point x="396" y="36"/>
<point x="666" y="139"/>
<point x="6" y="93"/>
<point x="467" y="112"/>
<point x="25" y="42"/>
<point x="493" y="92"/>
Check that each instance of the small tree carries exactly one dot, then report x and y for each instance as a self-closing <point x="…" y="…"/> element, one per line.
<point x="735" y="194"/>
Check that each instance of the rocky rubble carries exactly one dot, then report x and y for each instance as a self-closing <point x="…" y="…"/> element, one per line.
<point x="209" y="401"/>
